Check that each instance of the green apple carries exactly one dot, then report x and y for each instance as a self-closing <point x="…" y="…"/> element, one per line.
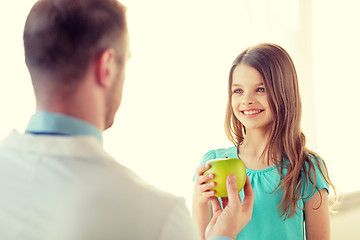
<point x="221" y="168"/>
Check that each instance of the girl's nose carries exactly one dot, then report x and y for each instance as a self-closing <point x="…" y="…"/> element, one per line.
<point x="247" y="101"/>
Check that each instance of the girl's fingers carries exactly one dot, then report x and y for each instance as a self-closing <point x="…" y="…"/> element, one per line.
<point x="209" y="194"/>
<point x="207" y="186"/>
<point x="204" y="178"/>
<point x="202" y="169"/>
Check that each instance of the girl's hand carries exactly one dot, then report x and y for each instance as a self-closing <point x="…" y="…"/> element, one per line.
<point x="202" y="192"/>
<point x="201" y="207"/>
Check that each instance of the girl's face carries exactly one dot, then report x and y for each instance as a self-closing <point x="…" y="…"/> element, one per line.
<point x="249" y="99"/>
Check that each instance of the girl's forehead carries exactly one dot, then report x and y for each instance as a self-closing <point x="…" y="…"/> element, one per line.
<point x="244" y="75"/>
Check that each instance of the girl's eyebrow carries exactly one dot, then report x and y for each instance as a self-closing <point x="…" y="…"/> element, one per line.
<point x="239" y="85"/>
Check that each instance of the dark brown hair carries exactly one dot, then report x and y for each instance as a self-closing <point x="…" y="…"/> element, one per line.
<point x="62" y="37"/>
<point x="286" y="138"/>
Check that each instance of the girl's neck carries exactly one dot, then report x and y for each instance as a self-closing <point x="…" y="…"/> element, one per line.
<point x="252" y="150"/>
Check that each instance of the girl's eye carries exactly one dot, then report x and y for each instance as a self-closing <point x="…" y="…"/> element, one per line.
<point x="238" y="91"/>
<point x="261" y="90"/>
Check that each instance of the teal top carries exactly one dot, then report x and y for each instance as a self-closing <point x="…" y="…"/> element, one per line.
<point x="49" y="123"/>
<point x="266" y="222"/>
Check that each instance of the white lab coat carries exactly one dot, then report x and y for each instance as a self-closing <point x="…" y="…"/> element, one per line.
<point x="61" y="187"/>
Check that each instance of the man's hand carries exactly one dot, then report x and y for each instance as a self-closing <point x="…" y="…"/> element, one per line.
<point x="233" y="218"/>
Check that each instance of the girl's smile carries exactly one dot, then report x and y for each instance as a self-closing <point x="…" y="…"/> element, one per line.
<point x="251" y="112"/>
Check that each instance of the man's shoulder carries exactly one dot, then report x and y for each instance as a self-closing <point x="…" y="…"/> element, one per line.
<point x="118" y="179"/>
<point x="81" y="161"/>
<point x="121" y="202"/>
<point x="85" y="188"/>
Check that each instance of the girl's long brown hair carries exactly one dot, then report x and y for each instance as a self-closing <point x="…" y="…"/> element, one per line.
<point x="286" y="138"/>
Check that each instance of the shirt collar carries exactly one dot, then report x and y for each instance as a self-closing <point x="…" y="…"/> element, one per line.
<point x="54" y="123"/>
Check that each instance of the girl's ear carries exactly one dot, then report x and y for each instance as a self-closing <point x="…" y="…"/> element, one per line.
<point x="105" y="67"/>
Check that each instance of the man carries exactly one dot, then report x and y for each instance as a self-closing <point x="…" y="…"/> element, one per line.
<point x="56" y="180"/>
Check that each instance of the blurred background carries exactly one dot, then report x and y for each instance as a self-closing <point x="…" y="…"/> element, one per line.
<point x="175" y="93"/>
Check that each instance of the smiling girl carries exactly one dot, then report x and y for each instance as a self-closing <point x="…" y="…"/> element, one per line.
<point x="263" y="117"/>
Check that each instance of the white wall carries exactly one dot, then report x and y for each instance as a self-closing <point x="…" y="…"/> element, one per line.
<point x="16" y="96"/>
<point x="337" y="83"/>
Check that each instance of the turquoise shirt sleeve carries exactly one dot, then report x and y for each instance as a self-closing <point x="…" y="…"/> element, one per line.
<point x="308" y="188"/>
<point x="207" y="157"/>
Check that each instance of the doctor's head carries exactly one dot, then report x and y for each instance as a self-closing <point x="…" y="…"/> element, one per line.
<point x="76" y="52"/>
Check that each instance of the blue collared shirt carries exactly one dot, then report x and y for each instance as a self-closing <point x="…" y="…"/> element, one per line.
<point x="59" y="124"/>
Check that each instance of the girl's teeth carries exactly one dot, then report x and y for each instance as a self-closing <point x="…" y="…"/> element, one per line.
<point x="251" y="112"/>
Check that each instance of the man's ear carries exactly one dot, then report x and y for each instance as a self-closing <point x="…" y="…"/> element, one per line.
<point x="105" y="67"/>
